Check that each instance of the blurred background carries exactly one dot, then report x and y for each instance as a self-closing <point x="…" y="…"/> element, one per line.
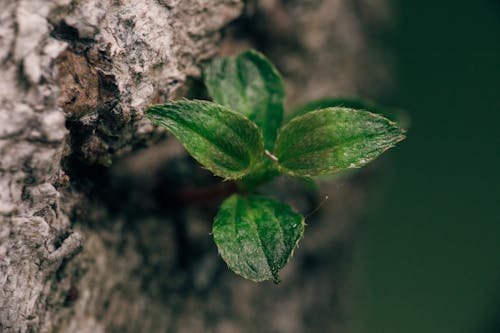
<point x="429" y="258"/>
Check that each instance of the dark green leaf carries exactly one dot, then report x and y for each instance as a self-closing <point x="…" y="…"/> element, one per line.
<point x="332" y="139"/>
<point x="223" y="141"/>
<point x="251" y="85"/>
<point x="256" y="236"/>
<point x="396" y="115"/>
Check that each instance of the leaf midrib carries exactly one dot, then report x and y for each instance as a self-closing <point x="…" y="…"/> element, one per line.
<point x="303" y="153"/>
<point x="259" y="237"/>
<point x="196" y="129"/>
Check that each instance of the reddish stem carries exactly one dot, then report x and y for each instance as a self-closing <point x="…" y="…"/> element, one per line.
<point x="206" y="195"/>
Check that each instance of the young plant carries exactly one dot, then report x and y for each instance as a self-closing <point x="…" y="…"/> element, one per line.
<point x="241" y="136"/>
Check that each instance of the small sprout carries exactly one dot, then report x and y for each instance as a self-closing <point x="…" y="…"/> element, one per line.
<point x="241" y="136"/>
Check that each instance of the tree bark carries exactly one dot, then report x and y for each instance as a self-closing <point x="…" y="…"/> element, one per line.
<point x="103" y="225"/>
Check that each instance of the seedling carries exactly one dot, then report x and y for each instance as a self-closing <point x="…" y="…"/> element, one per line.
<point x="240" y="136"/>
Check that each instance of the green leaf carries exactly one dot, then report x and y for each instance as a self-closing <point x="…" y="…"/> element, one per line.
<point x="399" y="116"/>
<point x="223" y="141"/>
<point x="256" y="236"/>
<point x="332" y="139"/>
<point x="249" y="84"/>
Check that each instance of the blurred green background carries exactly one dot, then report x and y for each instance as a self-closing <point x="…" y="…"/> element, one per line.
<point x="429" y="260"/>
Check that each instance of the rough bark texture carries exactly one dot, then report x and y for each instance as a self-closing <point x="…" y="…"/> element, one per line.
<point x="99" y="234"/>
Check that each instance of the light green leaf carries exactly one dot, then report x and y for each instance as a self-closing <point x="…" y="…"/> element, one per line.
<point x="249" y="84"/>
<point x="256" y="236"/>
<point x="399" y="116"/>
<point x="332" y="139"/>
<point x="223" y="141"/>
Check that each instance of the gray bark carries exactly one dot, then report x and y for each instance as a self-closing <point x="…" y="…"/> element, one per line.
<point x="94" y="236"/>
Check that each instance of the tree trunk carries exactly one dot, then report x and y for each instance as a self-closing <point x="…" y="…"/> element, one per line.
<point x="104" y="221"/>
